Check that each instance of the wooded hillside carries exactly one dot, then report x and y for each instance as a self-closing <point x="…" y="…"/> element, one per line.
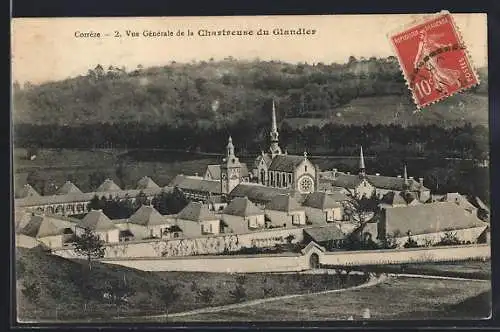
<point x="218" y="94"/>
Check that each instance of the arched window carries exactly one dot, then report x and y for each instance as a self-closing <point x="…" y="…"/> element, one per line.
<point x="283" y="179"/>
<point x="272" y="178"/>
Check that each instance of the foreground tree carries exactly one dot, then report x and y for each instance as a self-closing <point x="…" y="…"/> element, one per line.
<point x="89" y="245"/>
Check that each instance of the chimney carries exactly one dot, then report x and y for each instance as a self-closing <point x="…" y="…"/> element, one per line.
<point x="348" y="173"/>
<point x="421" y="180"/>
<point x="196" y="174"/>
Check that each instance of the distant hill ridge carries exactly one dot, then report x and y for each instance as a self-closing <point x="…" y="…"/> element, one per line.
<point x="219" y="93"/>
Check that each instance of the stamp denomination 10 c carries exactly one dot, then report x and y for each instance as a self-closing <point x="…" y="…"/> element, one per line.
<point x="434" y="59"/>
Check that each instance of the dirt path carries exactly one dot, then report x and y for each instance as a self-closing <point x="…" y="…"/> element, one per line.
<point x="371" y="282"/>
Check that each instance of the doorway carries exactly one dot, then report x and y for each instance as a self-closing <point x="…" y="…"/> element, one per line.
<point x="314" y="261"/>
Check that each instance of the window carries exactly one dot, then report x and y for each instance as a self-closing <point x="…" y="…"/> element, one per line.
<point x="283" y="179"/>
<point x="210" y="228"/>
<point x="305" y="168"/>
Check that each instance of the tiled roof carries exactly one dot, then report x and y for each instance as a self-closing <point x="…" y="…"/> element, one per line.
<point x="325" y="233"/>
<point x="394" y="183"/>
<point x="108" y="185"/>
<point x="243" y="207"/>
<point x="214" y="171"/>
<point x="28" y="191"/>
<point x="267" y="160"/>
<point x="147" y="216"/>
<point x="285" y="203"/>
<point x="68" y="188"/>
<point x="258" y="192"/>
<point x="458" y="199"/>
<point x="82" y="197"/>
<point x="196" y="211"/>
<point x="195" y="183"/>
<point x="401" y="198"/>
<point x="320" y="200"/>
<point x="350" y="181"/>
<point x="42" y="226"/>
<point x="146" y="183"/>
<point x="96" y="220"/>
<point x="429" y="218"/>
<point x="285" y="163"/>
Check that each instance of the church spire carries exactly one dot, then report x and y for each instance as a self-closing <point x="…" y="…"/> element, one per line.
<point x="361" y="162"/>
<point x="405" y="174"/>
<point x="275" y="148"/>
<point x="274" y="127"/>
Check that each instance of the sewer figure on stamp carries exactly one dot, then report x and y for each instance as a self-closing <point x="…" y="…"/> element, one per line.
<point x="442" y="77"/>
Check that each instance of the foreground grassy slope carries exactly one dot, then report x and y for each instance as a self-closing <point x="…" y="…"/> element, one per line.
<point x="50" y="287"/>
<point x="401" y="298"/>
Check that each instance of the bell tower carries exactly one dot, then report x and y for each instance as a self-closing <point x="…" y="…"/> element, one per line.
<point x="230" y="169"/>
<point x="274" y="148"/>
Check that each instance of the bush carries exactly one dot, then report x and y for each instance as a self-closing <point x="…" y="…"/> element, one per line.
<point x="449" y="239"/>
<point x="239" y="293"/>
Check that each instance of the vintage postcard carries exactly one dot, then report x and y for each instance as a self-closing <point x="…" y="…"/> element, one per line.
<point x="251" y="169"/>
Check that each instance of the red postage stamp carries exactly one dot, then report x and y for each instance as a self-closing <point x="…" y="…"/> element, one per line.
<point x="434" y="59"/>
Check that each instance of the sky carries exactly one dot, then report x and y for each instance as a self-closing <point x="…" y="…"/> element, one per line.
<point x="46" y="49"/>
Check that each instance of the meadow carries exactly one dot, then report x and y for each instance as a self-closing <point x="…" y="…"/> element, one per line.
<point x="394" y="299"/>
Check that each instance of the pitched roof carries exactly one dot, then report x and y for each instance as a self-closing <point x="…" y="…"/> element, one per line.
<point x="196" y="211"/>
<point x="325" y="233"/>
<point x="68" y="188"/>
<point x="28" y="191"/>
<point x="285" y="203"/>
<point x="243" y="207"/>
<point x="394" y="183"/>
<point x="460" y="200"/>
<point x="320" y="200"/>
<point x="429" y="218"/>
<point x="108" y="185"/>
<point x="215" y="173"/>
<point x="285" y="163"/>
<point x="267" y="160"/>
<point x="82" y="197"/>
<point x="96" y="220"/>
<point x="258" y="192"/>
<point x="343" y="180"/>
<point x="400" y="198"/>
<point x="42" y="226"/>
<point x="195" y="183"/>
<point x="146" y="182"/>
<point x="147" y="215"/>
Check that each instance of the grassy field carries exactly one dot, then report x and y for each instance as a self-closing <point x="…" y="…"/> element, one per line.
<point x="401" y="298"/>
<point x="398" y="110"/>
<point x="474" y="269"/>
<point x="58" y="166"/>
<point x="53" y="288"/>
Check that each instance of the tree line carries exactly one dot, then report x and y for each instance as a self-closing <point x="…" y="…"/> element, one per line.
<point x="466" y="142"/>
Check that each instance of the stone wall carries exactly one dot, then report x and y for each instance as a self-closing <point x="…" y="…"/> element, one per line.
<point x="195" y="246"/>
<point x="300" y="262"/>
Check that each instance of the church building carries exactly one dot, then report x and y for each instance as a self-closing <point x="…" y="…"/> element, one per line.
<point x="281" y="170"/>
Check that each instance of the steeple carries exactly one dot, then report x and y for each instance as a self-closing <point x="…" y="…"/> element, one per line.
<point x="230" y="148"/>
<point x="275" y="149"/>
<point x="361" y="162"/>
